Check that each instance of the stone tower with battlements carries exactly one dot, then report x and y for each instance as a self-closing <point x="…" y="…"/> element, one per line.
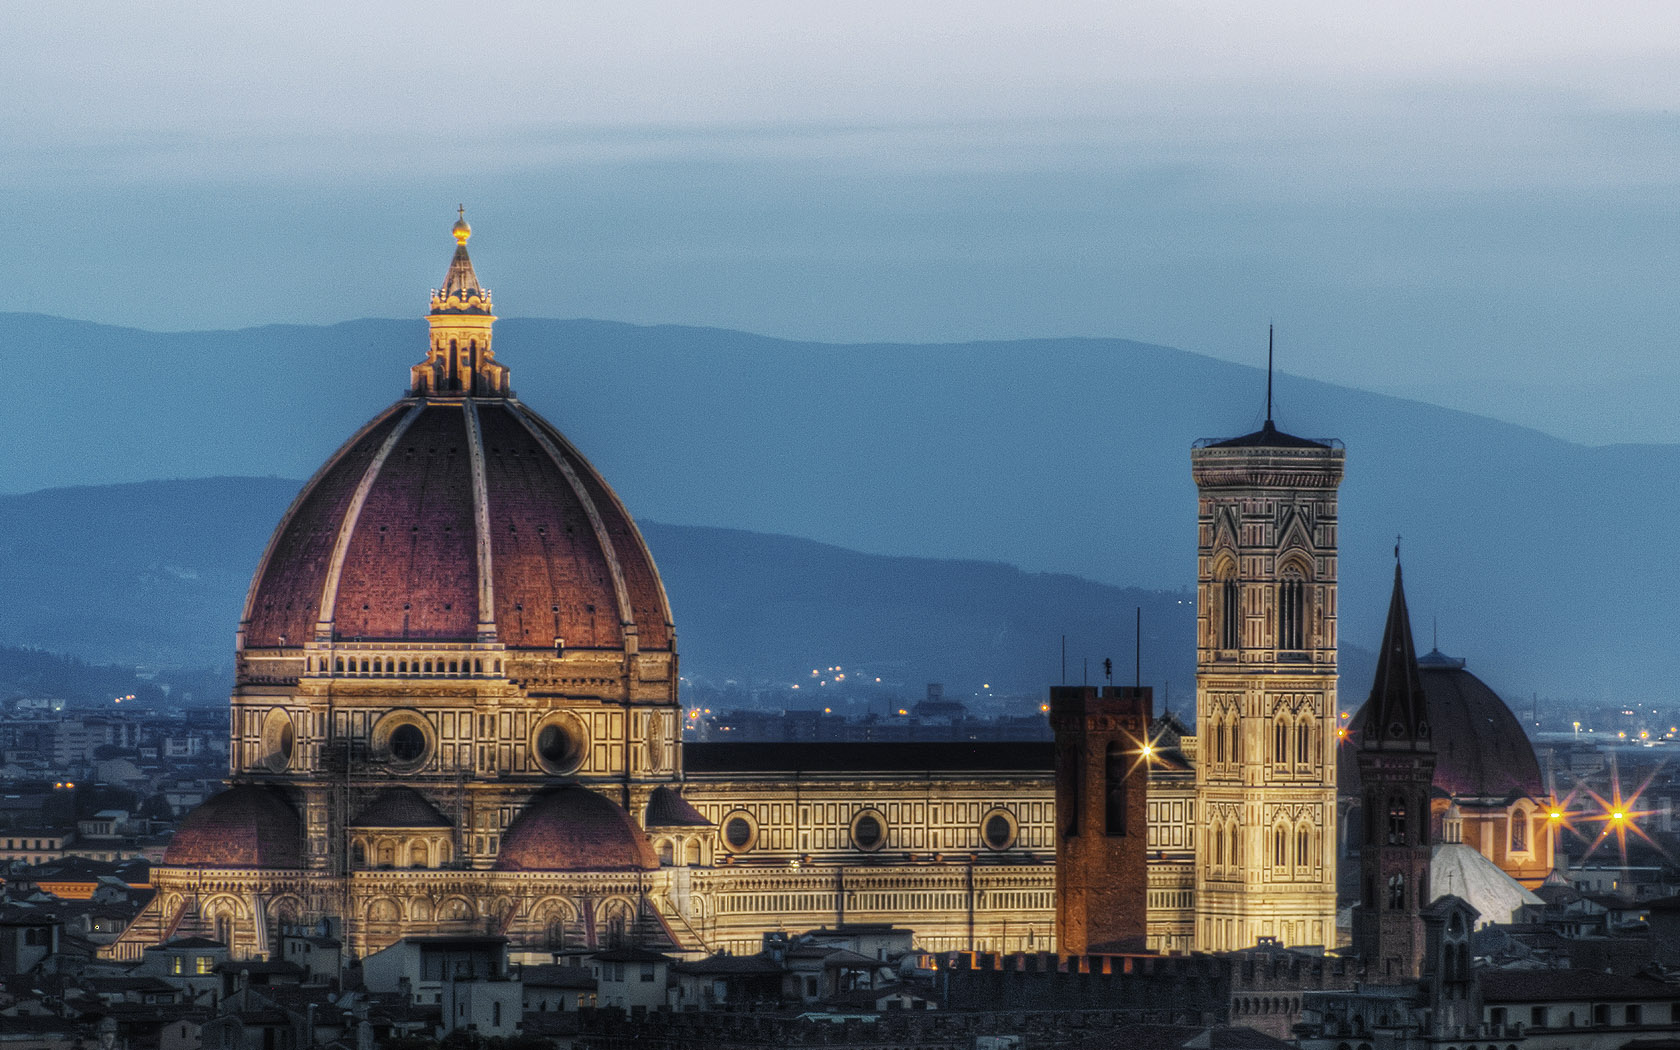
<point x="1103" y="756"/>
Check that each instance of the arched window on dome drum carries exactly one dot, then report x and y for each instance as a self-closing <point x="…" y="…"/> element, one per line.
<point x="1519" y="832"/>
<point x="1292" y="611"/>
<point x="1396" y="821"/>
<point x="1114" y="790"/>
<point x="1396" y="892"/>
<point x="1230" y="615"/>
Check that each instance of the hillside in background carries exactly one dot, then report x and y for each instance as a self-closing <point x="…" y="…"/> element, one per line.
<point x="155" y="573"/>
<point x="1540" y="559"/>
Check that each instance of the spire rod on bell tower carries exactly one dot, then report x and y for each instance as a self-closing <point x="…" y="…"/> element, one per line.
<point x="1269" y="329"/>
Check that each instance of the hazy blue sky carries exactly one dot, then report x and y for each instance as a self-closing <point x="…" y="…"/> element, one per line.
<point x="1474" y="204"/>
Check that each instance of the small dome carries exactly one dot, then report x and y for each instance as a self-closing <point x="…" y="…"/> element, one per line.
<point x="400" y="807"/>
<point x="243" y="827"/>
<point x="1481" y="750"/>
<point x="667" y="808"/>
<point x="571" y="828"/>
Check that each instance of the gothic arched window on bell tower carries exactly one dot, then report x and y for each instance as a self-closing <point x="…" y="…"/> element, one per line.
<point x="1230" y="615"/>
<point x="1396" y="821"/>
<point x="1396" y="892"/>
<point x="1303" y="847"/>
<point x="1292" y="604"/>
<point x="1280" y="741"/>
<point x="1303" y="742"/>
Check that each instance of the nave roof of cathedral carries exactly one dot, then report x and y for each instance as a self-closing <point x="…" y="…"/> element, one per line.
<point x="721" y="759"/>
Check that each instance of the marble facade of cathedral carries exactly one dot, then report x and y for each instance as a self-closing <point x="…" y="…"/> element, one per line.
<point x="456" y="710"/>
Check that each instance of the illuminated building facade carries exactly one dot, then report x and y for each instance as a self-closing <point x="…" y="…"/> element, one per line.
<point x="455" y="711"/>
<point x="1266" y="690"/>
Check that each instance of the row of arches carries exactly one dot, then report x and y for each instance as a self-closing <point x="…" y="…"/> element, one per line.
<point x="393" y="666"/>
<point x="400" y="851"/>
<point x="1296" y="851"/>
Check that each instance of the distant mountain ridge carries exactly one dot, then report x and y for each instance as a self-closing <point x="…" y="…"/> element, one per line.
<point x="1545" y="561"/>
<point x="156" y="573"/>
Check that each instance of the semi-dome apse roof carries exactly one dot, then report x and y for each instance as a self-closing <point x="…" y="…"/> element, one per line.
<point x="243" y="827"/>
<point x="571" y="828"/>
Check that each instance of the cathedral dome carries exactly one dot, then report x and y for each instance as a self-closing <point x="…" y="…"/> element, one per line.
<point x="571" y="828"/>
<point x="458" y="515"/>
<point x="1481" y="750"/>
<point x="243" y="827"/>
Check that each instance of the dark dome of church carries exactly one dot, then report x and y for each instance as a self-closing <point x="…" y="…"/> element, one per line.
<point x="1481" y="750"/>
<point x="571" y="828"/>
<point x="399" y="807"/>
<point x="383" y="542"/>
<point x="243" y="827"/>
<point x="667" y="808"/>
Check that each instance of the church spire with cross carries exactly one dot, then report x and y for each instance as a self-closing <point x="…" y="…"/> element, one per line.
<point x="1396" y="761"/>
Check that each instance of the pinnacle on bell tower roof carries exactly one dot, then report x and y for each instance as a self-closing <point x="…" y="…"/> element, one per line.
<point x="461" y="292"/>
<point x="1397" y="714"/>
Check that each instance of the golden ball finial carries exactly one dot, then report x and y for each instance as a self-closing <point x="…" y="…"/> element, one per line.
<point x="461" y="230"/>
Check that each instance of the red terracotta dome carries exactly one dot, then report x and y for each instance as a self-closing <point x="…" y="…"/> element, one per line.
<point x="243" y="827"/>
<point x="458" y="515"/>
<point x="571" y="828"/>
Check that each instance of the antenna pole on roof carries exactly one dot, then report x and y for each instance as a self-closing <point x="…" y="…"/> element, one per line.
<point x="1137" y="651"/>
<point x="1064" y="659"/>
<point x="1269" y="373"/>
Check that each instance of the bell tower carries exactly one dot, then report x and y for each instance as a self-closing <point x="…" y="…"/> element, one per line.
<point x="1396" y="767"/>
<point x="1266" y="689"/>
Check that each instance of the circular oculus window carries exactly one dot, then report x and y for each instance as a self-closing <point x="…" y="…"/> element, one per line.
<point x="998" y="829"/>
<point x="279" y="740"/>
<point x="739" y="831"/>
<point x="869" y="830"/>
<point x="559" y="743"/>
<point x="405" y="740"/>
